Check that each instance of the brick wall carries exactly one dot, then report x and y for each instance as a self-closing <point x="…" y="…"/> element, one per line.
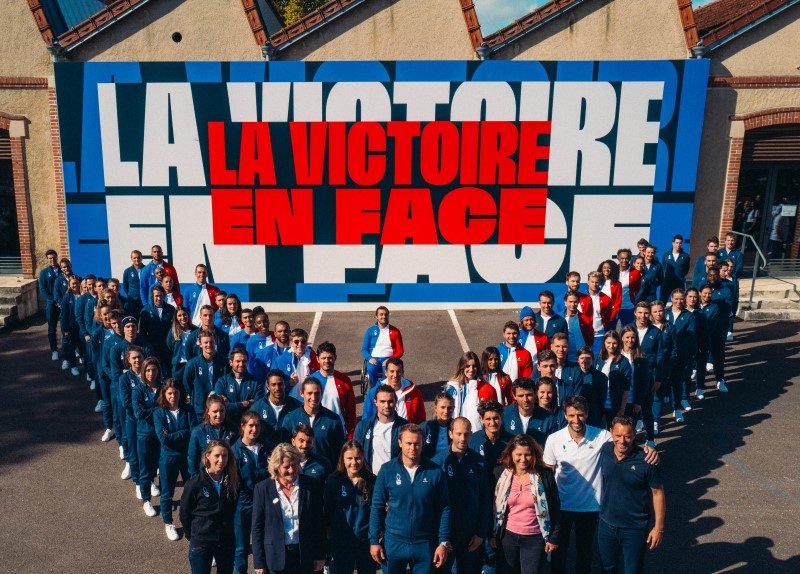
<point x="21" y="193"/>
<point x="58" y="172"/>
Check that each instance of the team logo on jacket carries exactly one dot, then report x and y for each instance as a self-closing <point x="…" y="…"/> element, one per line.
<point x="344" y="492"/>
<point x="425" y="479"/>
<point x="199" y="370"/>
<point x="633" y="467"/>
<point x="375" y="332"/>
<point x="205" y="492"/>
<point x="264" y="414"/>
<point x="449" y="471"/>
<point x="368" y="435"/>
<point x="428" y="439"/>
<point x="513" y="425"/>
<point x="230" y="389"/>
<point x="397" y="480"/>
<point x="481" y="451"/>
<point x="322" y="427"/>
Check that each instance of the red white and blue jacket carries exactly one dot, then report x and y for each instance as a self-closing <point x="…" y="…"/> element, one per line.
<point x="524" y="361"/>
<point x="371" y="338"/>
<point x="587" y="309"/>
<point x="542" y="340"/>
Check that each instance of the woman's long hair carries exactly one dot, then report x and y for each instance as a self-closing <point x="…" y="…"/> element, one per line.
<point x="462" y="364"/>
<point x="227" y="317"/>
<point x="604" y="356"/>
<point x="366" y="480"/>
<point x="176" y="327"/>
<point x="230" y="479"/>
<point x="636" y="351"/>
<point x="488" y="352"/>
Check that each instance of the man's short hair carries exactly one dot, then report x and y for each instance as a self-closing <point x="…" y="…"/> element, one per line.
<point x="547" y="293"/>
<point x="525" y="383"/>
<point x="624" y="421"/>
<point x="326" y="347"/>
<point x="712" y="239"/>
<point x="303" y="428"/>
<point x="489" y="407"/>
<point x="396" y="361"/>
<point x="643" y="305"/>
<point x="298" y="332"/>
<point x="410" y="428"/>
<point x="511" y="325"/>
<point x="50" y="252"/>
<point x="571" y="293"/>
<point x="237" y="351"/>
<point x="546" y="355"/>
<point x="577" y="402"/>
<point x="310" y="381"/>
<point x="384" y="389"/>
<point x="572" y="274"/>
<point x="585" y="350"/>
<point x="559" y="337"/>
<point x="677" y="236"/>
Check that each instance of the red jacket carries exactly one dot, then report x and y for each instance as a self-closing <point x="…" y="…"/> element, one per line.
<point x="587" y="310"/>
<point x="634" y="284"/>
<point x="587" y="329"/>
<point x="524" y="361"/>
<point x="542" y="340"/>
<point x="504" y="382"/>
<point x="347" y="399"/>
<point x="487" y="392"/>
<point x="415" y="404"/>
<point x="616" y="299"/>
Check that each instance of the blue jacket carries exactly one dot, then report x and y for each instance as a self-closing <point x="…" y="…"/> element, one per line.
<point x="702" y="332"/>
<point x="220" y="337"/>
<point x="85" y="300"/>
<point x="144" y="406"/>
<point x="130" y="283"/>
<point x="116" y="355"/>
<point x="724" y="295"/>
<point x="60" y="287"/>
<point x="542" y="423"/>
<point x="699" y="272"/>
<point x="653" y="348"/>
<point x="155" y="328"/>
<point x="262" y="362"/>
<point x="173" y="434"/>
<point x="69" y="323"/>
<point x="252" y="470"/>
<point x="363" y="434"/>
<point x="329" y="435"/>
<point x="369" y="399"/>
<point x="736" y="256"/>
<point x="316" y="467"/>
<point x="675" y="271"/>
<point x="178" y="352"/>
<point x="431" y="429"/>
<point x="247" y="390"/>
<point x="715" y="323"/>
<point x="468" y="488"/>
<point x="239" y="340"/>
<point x="641" y="383"/>
<point x="107" y="354"/>
<point x="346" y="514"/>
<point x="490" y="451"/>
<point x="556" y="324"/>
<point x="127" y="383"/>
<point x="201" y="435"/>
<point x="651" y="281"/>
<point x="620" y="378"/>
<point x="684" y="338"/>
<point x="47" y="277"/>
<point x="574" y="382"/>
<point x="270" y="424"/>
<point x="198" y="380"/>
<point x="419" y="509"/>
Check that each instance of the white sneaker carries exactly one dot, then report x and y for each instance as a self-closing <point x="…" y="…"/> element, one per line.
<point x="639" y="426"/>
<point x="679" y="416"/>
<point x="709" y="367"/>
<point x="126" y="472"/>
<point x="54" y="356"/>
<point x="98" y="408"/>
<point x="75" y="371"/>
<point x="655" y="429"/>
<point x="107" y="436"/>
<point x="92" y="385"/>
<point x="148" y="509"/>
<point x="699" y="394"/>
<point x="64" y="365"/>
<point x="729" y="338"/>
<point x="154" y="491"/>
<point x="686" y="406"/>
<point x="723" y="388"/>
<point x="172" y="534"/>
<point x="121" y="453"/>
<point x="138" y="492"/>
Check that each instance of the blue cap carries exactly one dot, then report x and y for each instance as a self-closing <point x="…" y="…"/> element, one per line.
<point x="525" y="312"/>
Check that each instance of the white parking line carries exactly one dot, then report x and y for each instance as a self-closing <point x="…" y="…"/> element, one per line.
<point x="459" y="332"/>
<point x="314" y="326"/>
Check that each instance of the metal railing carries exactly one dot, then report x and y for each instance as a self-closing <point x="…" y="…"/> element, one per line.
<point x="784" y="268"/>
<point x="756" y="267"/>
<point x="10" y="265"/>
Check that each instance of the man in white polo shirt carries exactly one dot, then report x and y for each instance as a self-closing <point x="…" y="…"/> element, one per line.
<point x="574" y="454"/>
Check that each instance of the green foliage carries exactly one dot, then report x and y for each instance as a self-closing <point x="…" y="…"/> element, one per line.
<point x="290" y="11"/>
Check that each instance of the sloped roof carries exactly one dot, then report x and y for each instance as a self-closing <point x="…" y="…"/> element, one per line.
<point x="723" y="18"/>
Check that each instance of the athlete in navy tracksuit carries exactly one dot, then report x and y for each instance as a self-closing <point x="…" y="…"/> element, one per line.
<point x="273" y="408"/>
<point x="144" y="397"/>
<point x="69" y="325"/>
<point x="201" y="373"/>
<point x="108" y="341"/>
<point x="85" y="329"/>
<point x="47" y="277"/>
<point x="416" y="527"/>
<point x="329" y="435"/>
<point x="173" y="421"/>
<point x="716" y="295"/>
<point x="238" y="387"/>
<point x="155" y="321"/>
<point x="115" y="367"/>
<point x="212" y="427"/>
<point x="130" y="378"/>
<point x="131" y="284"/>
<point x="251" y="460"/>
<point x="676" y="263"/>
<point x="468" y="488"/>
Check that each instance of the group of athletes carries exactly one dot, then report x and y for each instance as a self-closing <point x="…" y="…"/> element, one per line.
<point x="263" y="429"/>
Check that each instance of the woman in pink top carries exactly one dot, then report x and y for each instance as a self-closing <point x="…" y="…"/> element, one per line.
<point x="527" y="508"/>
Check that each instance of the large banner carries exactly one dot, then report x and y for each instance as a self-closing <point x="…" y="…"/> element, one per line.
<point x="419" y="181"/>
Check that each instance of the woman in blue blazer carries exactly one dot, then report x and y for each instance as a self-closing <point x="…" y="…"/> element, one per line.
<point x="173" y="422"/>
<point x="612" y="400"/>
<point x="273" y="512"/>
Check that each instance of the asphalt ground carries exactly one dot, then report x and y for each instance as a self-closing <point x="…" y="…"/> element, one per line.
<point x="732" y="472"/>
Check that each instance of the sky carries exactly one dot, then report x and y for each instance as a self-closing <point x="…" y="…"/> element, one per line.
<point x="495" y="14"/>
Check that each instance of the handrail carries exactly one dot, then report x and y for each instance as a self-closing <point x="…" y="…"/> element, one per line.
<point x="747" y="236"/>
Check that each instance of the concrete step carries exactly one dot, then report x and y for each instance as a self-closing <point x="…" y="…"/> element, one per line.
<point x="770" y="315"/>
<point x="787" y="304"/>
<point x="744" y="293"/>
<point x="7" y="309"/>
<point x="10" y="299"/>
